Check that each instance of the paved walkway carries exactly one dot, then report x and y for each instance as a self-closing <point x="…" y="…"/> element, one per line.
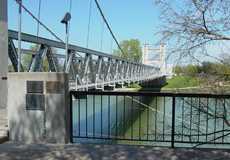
<point x="11" y="151"/>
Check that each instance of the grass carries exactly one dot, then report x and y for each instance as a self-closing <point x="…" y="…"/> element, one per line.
<point x="175" y="82"/>
<point x="182" y="82"/>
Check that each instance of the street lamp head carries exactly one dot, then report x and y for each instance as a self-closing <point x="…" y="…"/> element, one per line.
<point x="66" y="18"/>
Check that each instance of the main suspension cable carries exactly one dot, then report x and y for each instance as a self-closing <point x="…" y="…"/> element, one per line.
<point x="42" y="24"/>
<point x="108" y="26"/>
<point x="39" y="15"/>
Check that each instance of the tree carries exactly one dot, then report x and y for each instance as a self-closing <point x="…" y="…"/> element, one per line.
<point x="194" y="27"/>
<point x="178" y="70"/>
<point x="131" y="50"/>
<point x="191" y="70"/>
<point x="27" y="58"/>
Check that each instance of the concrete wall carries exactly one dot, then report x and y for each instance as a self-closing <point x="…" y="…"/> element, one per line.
<point x="43" y="125"/>
<point x="3" y="53"/>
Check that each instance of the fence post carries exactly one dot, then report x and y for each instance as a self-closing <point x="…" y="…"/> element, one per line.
<point x="71" y="116"/>
<point x="173" y="121"/>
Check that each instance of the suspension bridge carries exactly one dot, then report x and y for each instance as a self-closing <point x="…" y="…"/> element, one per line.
<point x="50" y="59"/>
<point x="53" y="97"/>
<point x="87" y="68"/>
<point x="56" y="68"/>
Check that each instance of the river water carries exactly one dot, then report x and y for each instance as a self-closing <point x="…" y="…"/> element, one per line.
<point x="146" y="120"/>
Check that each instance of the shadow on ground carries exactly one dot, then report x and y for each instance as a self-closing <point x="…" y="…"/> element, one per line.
<point x="10" y="151"/>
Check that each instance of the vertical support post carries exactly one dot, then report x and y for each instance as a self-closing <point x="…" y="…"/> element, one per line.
<point x="3" y="53"/>
<point x="162" y="59"/>
<point x="71" y="117"/>
<point x="67" y="47"/>
<point x="19" y="33"/>
<point x="145" y="54"/>
<point x="173" y="121"/>
<point x="65" y="21"/>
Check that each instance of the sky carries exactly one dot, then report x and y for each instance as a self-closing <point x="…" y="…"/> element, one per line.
<point x="128" y="18"/>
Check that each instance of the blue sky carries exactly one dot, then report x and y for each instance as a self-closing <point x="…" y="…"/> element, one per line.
<point x="128" y="18"/>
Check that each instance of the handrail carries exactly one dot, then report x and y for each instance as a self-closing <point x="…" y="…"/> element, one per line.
<point x="155" y="118"/>
<point x="145" y="93"/>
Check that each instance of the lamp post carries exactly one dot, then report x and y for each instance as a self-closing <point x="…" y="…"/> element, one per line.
<point x="19" y="33"/>
<point x="65" y="21"/>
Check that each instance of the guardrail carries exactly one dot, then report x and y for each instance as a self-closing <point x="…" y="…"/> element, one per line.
<point x="157" y="119"/>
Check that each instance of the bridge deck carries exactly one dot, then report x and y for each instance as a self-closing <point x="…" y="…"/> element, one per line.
<point x="72" y="84"/>
<point x="11" y="151"/>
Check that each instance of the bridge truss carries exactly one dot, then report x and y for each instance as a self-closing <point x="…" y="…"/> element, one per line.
<point x="87" y="68"/>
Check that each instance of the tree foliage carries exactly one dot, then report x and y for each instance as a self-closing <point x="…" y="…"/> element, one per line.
<point x="199" y="29"/>
<point x="131" y="50"/>
<point x="27" y="58"/>
<point x="208" y="69"/>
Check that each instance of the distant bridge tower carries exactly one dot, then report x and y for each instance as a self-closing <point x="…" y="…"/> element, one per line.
<point x="154" y="56"/>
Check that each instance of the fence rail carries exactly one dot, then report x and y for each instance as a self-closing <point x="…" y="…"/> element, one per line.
<point x="168" y="119"/>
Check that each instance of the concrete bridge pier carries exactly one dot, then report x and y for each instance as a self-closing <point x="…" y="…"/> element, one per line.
<point x="3" y="53"/>
<point x="3" y="69"/>
<point x="38" y="107"/>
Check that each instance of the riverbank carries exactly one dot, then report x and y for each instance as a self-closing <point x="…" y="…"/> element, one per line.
<point x="182" y="82"/>
<point x="11" y="151"/>
<point x="225" y="89"/>
<point x="188" y="84"/>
